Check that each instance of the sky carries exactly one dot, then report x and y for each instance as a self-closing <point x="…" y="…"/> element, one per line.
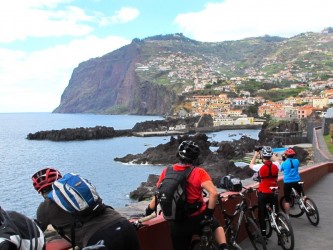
<point x="43" y="41"/>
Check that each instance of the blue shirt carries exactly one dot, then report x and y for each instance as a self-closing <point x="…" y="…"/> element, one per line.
<point x="290" y="173"/>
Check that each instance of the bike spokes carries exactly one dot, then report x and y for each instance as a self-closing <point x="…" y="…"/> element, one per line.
<point x="311" y="211"/>
<point x="254" y="233"/>
<point x="295" y="207"/>
<point x="285" y="232"/>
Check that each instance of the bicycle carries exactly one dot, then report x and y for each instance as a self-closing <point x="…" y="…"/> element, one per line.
<point x="205" y="241"/>
<point x="206" y="238"/>
<point x="279" y="222"/>
<point x="301" y="204"/>
<point x="241" y="211"/>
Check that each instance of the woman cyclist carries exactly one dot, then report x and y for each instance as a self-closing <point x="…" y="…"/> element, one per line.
<point x="291" y="176"/>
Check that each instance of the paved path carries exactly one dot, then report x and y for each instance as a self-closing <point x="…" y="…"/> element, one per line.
<point x="321" y="146"/>
<point x="308" y="237"/>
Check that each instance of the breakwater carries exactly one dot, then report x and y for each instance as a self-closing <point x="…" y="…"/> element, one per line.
<point x="103" y="132"/>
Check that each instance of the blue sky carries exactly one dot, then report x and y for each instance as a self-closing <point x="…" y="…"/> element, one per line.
<point x="42" y="41"/>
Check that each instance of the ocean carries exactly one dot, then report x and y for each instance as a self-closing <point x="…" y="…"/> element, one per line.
<point x="92" y="159"/>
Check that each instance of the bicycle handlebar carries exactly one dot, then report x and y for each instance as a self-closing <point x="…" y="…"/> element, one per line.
<point x="240" y="193"/>
<point x="138" y="223"/>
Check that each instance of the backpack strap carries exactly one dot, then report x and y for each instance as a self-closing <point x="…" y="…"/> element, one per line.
<point x="270" y="175"/>
<point x="292" y="164"/>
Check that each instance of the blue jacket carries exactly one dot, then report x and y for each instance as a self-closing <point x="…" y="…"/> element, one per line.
<point x="290" y="171"/>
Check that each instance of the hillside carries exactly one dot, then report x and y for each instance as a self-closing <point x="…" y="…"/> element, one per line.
<point x="150" y="76"/>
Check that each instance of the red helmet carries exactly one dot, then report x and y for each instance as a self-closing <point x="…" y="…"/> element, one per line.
<point x="44" y="178"/>
<point x="290" y="152"/>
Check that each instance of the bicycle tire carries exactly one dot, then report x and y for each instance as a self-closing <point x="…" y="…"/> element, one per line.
<point x="295" y="208"/>
<point x="286" y="236"/>
<point x="269" y="229"/>
<point x="195" y="245"/>
<point x="254" y="233"/>
<point x="311" y="211"/>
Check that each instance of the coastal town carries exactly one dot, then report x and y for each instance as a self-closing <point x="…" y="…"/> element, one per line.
<point x="210" y="84"/>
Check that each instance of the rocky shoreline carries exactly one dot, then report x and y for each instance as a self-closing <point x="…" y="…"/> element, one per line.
<point x="189" y="125"/>
<point x="217" y="163"/>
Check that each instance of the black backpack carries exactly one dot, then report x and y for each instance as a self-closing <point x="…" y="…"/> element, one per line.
<point x="171" y="194"/>
<point x="20" y="231"/>
<point x="231" y="183"/>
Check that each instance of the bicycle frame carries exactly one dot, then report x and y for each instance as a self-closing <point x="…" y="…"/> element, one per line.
<point x="230" y="231"/>
<point x="271" y="211"/>
<point x="272" y="217"/>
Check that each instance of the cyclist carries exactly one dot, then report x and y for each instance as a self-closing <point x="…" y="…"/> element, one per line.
<point x="18" y="232"/>
<point x="108" y="225"/>
<point x="268" y="174"/>
<point x="182" y="231"/>
<point x="291" y="176"/>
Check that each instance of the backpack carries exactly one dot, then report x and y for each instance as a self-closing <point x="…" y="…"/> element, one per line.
<point x="171" y="194"/>
<point x="231" y="183"/>
<point x="270" y="175"/>
<point x="20" y="231"/>
<point x="76" y="195"/>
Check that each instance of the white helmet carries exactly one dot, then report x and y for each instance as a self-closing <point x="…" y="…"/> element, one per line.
<point x="267" y="151"/>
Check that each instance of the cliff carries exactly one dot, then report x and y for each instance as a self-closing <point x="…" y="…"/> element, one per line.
<point x="110" y="85"/>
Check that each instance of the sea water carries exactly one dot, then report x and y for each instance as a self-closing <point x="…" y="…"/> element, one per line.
<point x="93" y="159"/>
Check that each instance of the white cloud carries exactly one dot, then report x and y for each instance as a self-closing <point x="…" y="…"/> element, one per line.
<point x="29" y="18"/>
<point x="238" y="19"/>
<point x="37" y="79"/>
<point x="125" y="15"/>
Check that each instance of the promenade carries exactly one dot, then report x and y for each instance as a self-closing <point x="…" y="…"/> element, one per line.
<point x="308" y="237"/>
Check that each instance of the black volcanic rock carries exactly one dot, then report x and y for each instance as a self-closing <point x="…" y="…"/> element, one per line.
<point x="236" y="149"/>
<point x="72" y="134"/>
<point x="165" y="154"/>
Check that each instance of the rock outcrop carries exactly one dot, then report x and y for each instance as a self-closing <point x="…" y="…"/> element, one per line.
<point x="214" y="163"/>
<point x="72" y="134"/>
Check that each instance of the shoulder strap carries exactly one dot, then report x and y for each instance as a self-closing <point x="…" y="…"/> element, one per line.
<point x="270" y="175"/>
<point x="291" y="164"/>
<point x="189" y="171"/>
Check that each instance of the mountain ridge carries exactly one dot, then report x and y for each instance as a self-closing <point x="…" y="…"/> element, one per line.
<point x="148" y="76"/>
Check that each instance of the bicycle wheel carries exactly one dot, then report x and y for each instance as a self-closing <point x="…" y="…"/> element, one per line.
<point x="232" y="245"/>
<point x="295" y="208"/>
<point x="269" y="229"/>
<point x="311" y="211"/>
<point x="286" y="234"/>
<point x="254" y="233"/>
<point x="196" y="245"/>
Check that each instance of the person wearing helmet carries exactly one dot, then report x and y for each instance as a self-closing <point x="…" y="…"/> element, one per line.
<point x="268" y="174"/>
<point x="291" y="176"/>
<point x="115" y="230"/>
<point x="18" y="232"/>
<point x="198" y="179"/>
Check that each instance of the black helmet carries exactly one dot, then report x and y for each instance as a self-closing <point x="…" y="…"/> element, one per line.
<point x="188" y="150"/>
